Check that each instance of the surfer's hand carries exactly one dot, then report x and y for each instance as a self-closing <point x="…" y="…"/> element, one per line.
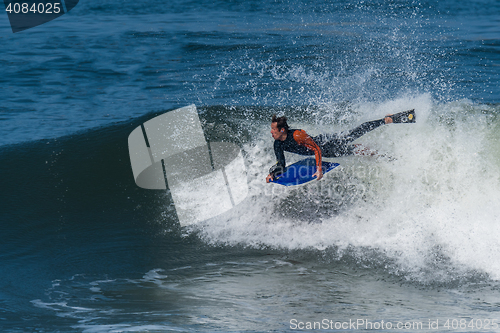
<point x="269" y="178"/>
<point x="388" y="119"/>
<point x="318" y="174"/>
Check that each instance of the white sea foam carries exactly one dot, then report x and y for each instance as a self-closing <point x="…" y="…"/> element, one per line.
<point x="432" y="208"/>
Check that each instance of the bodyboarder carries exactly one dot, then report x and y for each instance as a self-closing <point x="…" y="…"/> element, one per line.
<point x="328" y="145"/>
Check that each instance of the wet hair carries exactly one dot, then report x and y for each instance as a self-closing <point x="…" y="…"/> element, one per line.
<point x="280" y="122"/>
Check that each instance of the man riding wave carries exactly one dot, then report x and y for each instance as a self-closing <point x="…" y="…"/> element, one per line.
<point x="324" y="145"/>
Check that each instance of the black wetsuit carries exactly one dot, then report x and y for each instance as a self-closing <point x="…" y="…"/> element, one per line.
<point x="336" y="145"/>
<point x="331" y="145"/>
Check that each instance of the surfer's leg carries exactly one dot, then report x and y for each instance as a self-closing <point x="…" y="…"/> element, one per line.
<point x="333" y="146"/>
<point x="364" y="128"/>
<point x="336" y="145"/>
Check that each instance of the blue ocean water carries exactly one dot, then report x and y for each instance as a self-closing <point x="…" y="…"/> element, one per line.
<point x="409" y="240"/>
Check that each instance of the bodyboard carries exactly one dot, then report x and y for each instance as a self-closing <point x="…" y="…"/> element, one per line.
<point x="301" y="172"/>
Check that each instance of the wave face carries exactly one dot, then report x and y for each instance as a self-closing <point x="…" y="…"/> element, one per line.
<point x="408" y="234"/>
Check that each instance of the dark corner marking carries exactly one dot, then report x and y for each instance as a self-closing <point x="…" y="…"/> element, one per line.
<point x="145" y="135"/>
<point x="64" y="6"/>
<point x="27" y="14"/>
<point x="164" y="173"/>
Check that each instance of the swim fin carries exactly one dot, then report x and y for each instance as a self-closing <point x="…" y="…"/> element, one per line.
<point x="404" y="117"/>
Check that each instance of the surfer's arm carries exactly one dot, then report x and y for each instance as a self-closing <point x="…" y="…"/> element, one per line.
<point x="279" y="167"/>
<point x="305" y="140"/>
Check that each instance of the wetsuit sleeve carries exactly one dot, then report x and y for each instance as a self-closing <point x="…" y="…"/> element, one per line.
<point x="301" y="137"/>
<point x="279" y="167"/>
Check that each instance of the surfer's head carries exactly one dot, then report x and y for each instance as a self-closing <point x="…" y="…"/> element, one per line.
<point x="279" y="127"/>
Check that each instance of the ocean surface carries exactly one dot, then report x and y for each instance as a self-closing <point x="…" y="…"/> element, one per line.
<point x="407" y="240"/>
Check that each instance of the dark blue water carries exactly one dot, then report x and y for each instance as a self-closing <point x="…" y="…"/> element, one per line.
<point x="407" y="239"/>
